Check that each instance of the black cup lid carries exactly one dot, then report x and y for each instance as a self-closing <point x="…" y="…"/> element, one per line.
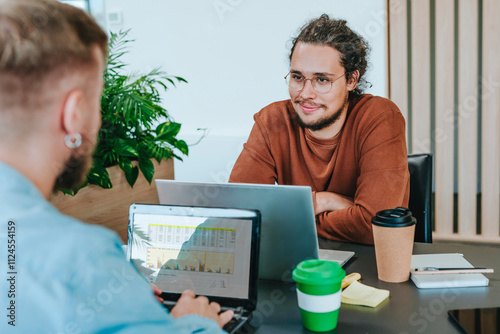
<point x="398" y="217"/>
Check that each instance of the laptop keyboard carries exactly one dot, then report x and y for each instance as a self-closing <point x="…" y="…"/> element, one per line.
<point x="231" y="327"/>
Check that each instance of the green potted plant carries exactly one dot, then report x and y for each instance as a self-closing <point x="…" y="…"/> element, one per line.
<point x="135" y="126"/>
<point x="136" y="134"/>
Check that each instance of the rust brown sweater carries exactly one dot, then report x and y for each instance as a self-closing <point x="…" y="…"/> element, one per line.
<point x="366" y="161"/>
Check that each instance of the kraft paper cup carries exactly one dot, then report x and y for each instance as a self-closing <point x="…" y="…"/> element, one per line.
<point x="318" y="293"/>
<point x="393" y="234"/>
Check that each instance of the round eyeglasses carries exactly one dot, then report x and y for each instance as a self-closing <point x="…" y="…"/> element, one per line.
<point x="320" y="84"/>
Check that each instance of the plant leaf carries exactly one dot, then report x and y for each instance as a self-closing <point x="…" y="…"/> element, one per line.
<point x="131" y="171"/>
<point x="126" y="150"/>
<point x="181" y="79"/>
<point x="167" y="130"/>
<point x="99" y="176"/>
<point x="132" y="176"/>
<point x="147" y="168"/>
<point x="126" y="166"/>
<point x="67" y="191"/>
<point x="182" y="146"/>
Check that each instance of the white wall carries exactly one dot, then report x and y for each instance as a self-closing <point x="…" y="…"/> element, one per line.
<point x="234" y="53"/>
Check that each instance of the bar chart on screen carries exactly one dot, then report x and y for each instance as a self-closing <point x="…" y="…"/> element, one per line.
<point x="190" y="260"/>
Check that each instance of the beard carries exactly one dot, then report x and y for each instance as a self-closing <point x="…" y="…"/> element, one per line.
<point x="75" y="171"/>
<point x="322" y="122"/>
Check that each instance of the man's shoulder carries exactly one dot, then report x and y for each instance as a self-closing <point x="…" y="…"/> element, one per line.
<point x="275" y="112"/>
<point x="369" y="107"/>
<point x="82" y="232"/>
<point x="72" y="234"/>
<point x="373" y="104"/>
<point x="58" y="241"/>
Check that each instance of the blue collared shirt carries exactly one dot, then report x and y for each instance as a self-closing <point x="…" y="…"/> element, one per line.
<point x="58" y="275"/>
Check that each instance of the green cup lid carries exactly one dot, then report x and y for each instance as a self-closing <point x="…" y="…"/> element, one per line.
<point x="318" y="272"/>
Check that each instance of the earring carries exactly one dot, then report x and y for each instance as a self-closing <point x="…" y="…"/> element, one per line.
<point x="73" y="144"/>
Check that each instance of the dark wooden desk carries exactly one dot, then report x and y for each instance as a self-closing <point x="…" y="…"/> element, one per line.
<point x="408" y="310"/>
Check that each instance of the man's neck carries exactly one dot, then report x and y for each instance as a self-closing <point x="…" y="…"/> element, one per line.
<point x="36" y="165"/>
<point x="332" y="130"/>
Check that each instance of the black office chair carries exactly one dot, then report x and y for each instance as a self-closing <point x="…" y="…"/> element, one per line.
<point x="420" y="167"/>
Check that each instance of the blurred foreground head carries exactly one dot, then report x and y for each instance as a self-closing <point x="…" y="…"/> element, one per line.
<point x="52" y="56"/>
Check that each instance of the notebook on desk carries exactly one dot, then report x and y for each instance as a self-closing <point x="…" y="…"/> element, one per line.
<point x="288" y="222"/>
<point x="212" y="251"/>
<point x="448" y="260"/>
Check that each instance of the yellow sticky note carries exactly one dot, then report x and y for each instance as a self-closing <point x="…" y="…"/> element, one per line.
<point x="360" y="294"/>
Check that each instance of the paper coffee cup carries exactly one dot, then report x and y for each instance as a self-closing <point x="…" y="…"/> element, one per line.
<point x="318" y="293"/>
<point x="393" y="235"/>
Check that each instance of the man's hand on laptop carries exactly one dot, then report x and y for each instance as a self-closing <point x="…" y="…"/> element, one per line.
<point x="188" y="303"/>
<point x="157" y="291"/>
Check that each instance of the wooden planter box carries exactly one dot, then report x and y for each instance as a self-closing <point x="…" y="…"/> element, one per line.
<point x="109" y="207"/>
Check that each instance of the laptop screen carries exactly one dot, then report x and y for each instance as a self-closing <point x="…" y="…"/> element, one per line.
<point x="287" y="214"/>
<point x="206" y="250"/>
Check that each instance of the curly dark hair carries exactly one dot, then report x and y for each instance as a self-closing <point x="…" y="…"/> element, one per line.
<point x="335" y="33"/>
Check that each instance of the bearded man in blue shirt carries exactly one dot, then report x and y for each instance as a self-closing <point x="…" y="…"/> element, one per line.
<point x="58" y="274"/>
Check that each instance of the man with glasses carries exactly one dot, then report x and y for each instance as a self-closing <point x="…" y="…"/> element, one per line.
<point x="349" y="147"/>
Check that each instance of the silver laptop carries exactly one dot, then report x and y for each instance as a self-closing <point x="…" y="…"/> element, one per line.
<point x="288" y="232"/>
<point x="212" y="251"/>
